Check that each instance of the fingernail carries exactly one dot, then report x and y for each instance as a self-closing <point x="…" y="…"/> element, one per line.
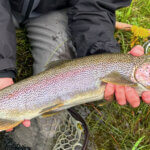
<point x="122" y="103"/>
<point x="135" y="105"/>
<point x="9" y="130"/>
<point x="146" y="97"/>
<point x="109" y="98"/>
<point x="27" y="123"/>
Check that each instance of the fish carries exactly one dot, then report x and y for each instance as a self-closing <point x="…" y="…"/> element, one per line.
<point x="69" y="83"/>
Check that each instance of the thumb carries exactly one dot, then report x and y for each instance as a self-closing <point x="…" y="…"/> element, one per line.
<point x="137" y="51"/>
<point x="26" y="123"/>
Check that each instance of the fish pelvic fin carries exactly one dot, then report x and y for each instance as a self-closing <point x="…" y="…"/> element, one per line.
<point x="50" y="111"/>
<point x="117" y="79"/>
<point x="8" y="124"/>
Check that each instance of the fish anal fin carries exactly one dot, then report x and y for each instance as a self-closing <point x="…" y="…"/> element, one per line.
<point x="117" y="79"/>
<point x="49" y="114"/>
<point x="51" y="108"/>
<point x="8" y="124"/>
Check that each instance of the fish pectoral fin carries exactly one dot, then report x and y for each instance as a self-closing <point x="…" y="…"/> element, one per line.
<point x="51" y="109"/>
<point x="8" y="124"/>
<point x="118" y="79"/>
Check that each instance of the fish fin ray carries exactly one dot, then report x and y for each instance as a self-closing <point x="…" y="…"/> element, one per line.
<point x="51" y="108"/>
<point x="8" y="124"/>
<point x="55" y="63"/>
<point x="118" y="79"/>
<point x="49" y="114"/>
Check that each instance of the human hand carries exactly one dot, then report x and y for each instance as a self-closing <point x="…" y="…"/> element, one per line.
<point x="26" y="123"/>
<point x="5" y="82"/>
<point x="126" y="94"/>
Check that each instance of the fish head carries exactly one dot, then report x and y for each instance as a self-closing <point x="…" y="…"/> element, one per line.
<point x="142" y="74"/>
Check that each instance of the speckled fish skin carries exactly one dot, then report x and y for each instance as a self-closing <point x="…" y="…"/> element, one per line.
<point x="72" y="83"/>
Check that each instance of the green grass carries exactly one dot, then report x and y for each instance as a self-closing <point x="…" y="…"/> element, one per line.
<point x="137" y="14"/>
<point x="120" y="127"/>
<point x="24" y="57"/>
<point x="112" y="127"/>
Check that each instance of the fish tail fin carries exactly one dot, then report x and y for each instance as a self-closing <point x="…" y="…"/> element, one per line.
<point x="8" y="124"/>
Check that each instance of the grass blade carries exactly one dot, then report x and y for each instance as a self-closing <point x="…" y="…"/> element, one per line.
<point x="137" y="143"/>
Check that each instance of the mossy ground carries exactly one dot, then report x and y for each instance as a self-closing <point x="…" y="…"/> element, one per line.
<point x="122" y="127"/>
<point x="24" y="57"/>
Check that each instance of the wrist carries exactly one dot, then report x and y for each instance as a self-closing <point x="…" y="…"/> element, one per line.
<point x="7" y="73"/>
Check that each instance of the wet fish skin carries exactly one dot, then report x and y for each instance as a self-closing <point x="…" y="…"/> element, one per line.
<point x="66" y="85"/>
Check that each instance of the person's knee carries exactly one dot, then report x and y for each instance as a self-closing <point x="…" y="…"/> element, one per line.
<point x="49" y="39"/>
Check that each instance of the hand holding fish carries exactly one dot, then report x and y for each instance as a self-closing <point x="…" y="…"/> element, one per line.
<point x="70" y="83"/>
<point x="126" y="94"/>
<point x="26" y="123"/>
<point x="4" y="82"/>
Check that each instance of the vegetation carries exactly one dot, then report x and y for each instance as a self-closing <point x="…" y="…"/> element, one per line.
<point x="24" y="57"/>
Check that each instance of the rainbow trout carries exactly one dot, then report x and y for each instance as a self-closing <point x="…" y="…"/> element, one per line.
<point x="70" y="83"/>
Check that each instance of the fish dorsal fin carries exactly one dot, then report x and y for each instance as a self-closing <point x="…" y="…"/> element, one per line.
<point x="8" y="124"/>
<point x="118" y="79"/>
<point x="56" y="63"/>
<point x="51" y="109"/>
